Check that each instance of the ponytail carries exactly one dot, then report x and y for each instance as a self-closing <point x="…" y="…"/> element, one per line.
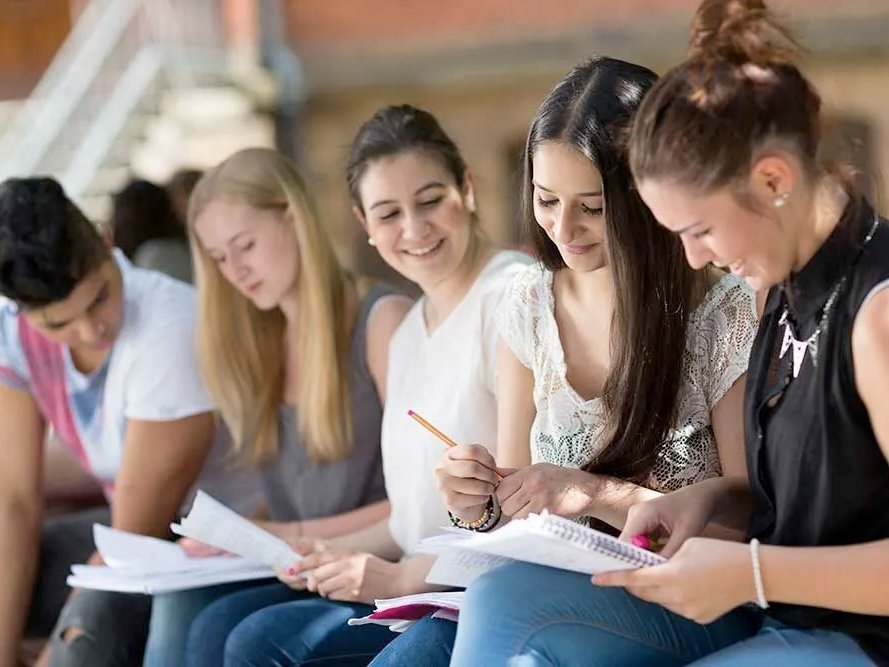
<point x="738" y="89"/>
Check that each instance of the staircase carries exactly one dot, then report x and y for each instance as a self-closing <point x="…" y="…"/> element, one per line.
<point x="140" y="87"/>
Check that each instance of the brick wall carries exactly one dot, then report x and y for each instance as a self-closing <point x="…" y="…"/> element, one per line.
<point x="351" y="21"/>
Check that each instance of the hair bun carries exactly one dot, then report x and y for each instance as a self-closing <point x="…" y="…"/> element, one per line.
<point x="741" y="32"/>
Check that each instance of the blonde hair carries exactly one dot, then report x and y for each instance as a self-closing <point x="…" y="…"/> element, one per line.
<point x="241" y="349"/>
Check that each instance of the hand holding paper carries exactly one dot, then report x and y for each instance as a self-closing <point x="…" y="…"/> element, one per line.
<point x="212" y="523"/>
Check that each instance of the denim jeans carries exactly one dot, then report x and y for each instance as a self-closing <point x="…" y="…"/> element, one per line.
<point x="525" y="615"/>
<point x="172" y="615"/>
<point x="427" y="643"/>
<point x="274" y="625"/>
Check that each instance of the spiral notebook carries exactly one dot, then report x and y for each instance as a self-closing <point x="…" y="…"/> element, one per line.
<point x="544" y="539"/>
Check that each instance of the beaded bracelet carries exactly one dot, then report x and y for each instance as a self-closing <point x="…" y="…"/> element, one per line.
<point x="488" y="519"/>
<point x="761" y="601"/>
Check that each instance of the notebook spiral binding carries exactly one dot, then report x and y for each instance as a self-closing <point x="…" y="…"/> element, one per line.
<point x="582" y="536"/>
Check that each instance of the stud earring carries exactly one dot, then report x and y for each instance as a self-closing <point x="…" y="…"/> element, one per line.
<point x="780" y="200"/>
<point x="371" y="242"/>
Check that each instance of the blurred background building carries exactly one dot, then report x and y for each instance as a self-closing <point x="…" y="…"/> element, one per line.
<point x="98" y="91"/>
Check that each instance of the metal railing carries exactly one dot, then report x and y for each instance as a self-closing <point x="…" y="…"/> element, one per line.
<point x="118" y="57"/>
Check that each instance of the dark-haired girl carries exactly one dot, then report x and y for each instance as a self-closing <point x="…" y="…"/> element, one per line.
<point x="620" y="365"/>
<point x="724" y="152"/>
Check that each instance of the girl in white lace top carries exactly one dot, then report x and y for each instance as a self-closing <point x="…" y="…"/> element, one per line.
<point x="568" y="429"/>
<point x="620" y="368"/>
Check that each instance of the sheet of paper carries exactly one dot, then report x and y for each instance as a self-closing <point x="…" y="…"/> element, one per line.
<point x="211" y="522"/>
<point x="109" y="579"/>
<point x="139" y="554"/>
<point x="443" y="599"/>
<point x="458" y="567"/>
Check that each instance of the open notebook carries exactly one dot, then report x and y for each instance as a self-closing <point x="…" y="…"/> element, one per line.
<point x="544" y="539"/>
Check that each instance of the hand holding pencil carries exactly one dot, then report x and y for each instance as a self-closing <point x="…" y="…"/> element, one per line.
<point x="467" y="474"/>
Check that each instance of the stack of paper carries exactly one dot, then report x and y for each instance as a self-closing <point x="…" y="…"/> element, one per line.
<point x="211" y="522"/>
<point x="140" y="564"/>
<point x="400" y="613"/>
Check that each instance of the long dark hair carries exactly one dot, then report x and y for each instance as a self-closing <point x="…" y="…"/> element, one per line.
<point x="655" y="290"/>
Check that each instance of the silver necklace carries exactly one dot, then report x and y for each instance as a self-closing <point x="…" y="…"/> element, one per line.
<point x="800" y="347"/>
<point x="811" y="343"/>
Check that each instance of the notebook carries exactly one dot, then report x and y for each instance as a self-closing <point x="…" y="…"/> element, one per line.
<point x="544" y="539"/>
<point x="398" y="614"/>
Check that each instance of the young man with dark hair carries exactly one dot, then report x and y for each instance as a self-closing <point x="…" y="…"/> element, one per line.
<point x="104" y="353"/>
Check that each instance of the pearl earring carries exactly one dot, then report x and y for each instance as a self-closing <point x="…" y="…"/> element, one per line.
<point x="780" y="200"/>
<point x="371" y="242"/>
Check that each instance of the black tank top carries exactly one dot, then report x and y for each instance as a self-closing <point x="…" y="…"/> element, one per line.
<point x="817" y="473"/>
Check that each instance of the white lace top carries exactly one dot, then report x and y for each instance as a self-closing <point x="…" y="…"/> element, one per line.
<point x="567" y="430"/>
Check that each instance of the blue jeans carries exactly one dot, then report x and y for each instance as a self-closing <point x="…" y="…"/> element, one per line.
<point x="525" y="615"/>
<point x="172" y="615"/>
<point x="427" y="643"/>
<point x="274" y="625"/>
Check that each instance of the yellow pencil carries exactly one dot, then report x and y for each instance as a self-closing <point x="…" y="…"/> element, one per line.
<point x="441" y="436"/>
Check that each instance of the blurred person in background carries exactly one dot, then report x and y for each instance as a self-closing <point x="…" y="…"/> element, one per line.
<point x="145" y="225"/>
<point x="179" y="188"/>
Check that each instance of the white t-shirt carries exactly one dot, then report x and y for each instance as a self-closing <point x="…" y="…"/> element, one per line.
<point x="150" y="374"/>
<point x="567" y="430"/>
<point x="449" y="378"/>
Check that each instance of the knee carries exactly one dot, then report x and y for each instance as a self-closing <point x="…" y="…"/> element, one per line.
<point x="496" y="589"/>
<point x="73" y="644"/>
<point x="248" y="643"/>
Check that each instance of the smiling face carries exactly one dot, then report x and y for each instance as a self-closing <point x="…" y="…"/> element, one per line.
<point x="255" y="249"/>
<point x="568" y="204"/>
<point x="89" y="319"/>
<point x="416" y="215"/>
<point x="716" y="229"/>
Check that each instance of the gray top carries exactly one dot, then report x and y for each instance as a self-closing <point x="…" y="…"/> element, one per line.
<point x="298" y="488"/>
<point x="170" y="256"/>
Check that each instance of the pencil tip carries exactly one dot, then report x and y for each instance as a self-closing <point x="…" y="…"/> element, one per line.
<point x="410" y="413"/>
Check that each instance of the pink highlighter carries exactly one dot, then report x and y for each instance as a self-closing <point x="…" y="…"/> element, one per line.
<point x="644" y="542"/>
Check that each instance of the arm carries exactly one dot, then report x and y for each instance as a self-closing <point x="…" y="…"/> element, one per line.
<point x="21" y="433"/>
<point x="375" y="539"/>
<point x="365" y="578"/>
<point x="515" y="409"/>
<point x="161" y="460"/>
<point x="385" y="318"/>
